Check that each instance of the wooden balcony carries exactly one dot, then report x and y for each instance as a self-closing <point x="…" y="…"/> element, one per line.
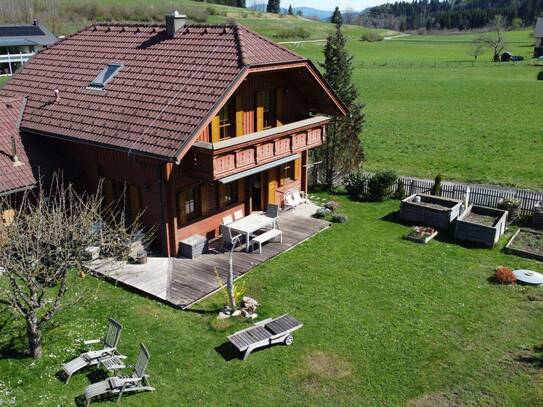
<point x="227" y="157"/>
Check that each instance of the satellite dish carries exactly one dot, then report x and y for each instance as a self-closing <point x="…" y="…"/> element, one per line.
<point x="528" y="277"/>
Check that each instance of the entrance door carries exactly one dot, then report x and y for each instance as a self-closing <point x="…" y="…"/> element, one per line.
<point x="255" y="192"/>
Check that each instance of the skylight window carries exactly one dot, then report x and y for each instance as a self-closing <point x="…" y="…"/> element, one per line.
<point x="105" y="76"/>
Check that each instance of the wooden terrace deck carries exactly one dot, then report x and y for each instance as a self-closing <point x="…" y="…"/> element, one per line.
<point x="183" y="282"/>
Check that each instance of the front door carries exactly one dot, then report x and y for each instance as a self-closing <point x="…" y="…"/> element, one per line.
<point x="255" y="192"/>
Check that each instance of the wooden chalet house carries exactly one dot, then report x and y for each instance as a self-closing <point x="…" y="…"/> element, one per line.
<point x="195" y="121"/>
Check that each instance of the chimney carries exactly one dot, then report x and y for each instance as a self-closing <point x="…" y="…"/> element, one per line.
<point x="14" y="157"/>
<point x="174" y="22"/>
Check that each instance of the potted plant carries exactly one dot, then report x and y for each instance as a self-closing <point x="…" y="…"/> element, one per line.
<point x="512" y="205"/>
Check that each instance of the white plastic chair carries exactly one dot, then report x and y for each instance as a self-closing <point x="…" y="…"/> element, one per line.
<point x="227" y="220"/>
<point x="238" y="214"/>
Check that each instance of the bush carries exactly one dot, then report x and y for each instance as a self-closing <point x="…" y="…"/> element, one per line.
<point x="339" y="218"/>
<point x="355" y="184"/>
<point x="400" y="190"/>
<point x="297" y="32"/>
<point x="504" y="275"/>
<point x="436" y="188"/>
<point x="512" y="205"/>
<point x="321" y="213"/>
<point x="371" y="37"/>
<point x="380" y="185"/>
<point x="331" y="205"/>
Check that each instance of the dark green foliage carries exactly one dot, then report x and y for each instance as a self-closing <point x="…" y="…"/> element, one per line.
<point x="355" y="184"/>
<point x="339" y="218"/>
<point x="240" y="3"/>
<point x="297" y="32"/>
<point x="290" y="12"/>
<point x="540" y="76"/>
<point x="380" y="185"/>
<point x="436" y="188"/>
<point x="371" y="36"/>
<point x="343" y="150"/>
<point x="274" y="6"/>
<point x="337" y="18"/>
<point x="400" y="190"/>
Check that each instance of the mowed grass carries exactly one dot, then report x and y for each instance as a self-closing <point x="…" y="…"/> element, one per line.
<point x="431" y="109"/>
<point x="387" y="322"/>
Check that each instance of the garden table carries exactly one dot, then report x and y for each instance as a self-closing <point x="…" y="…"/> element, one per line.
<point x="250" y="224"/>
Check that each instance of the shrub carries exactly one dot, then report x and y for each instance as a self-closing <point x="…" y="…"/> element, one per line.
<point x="331" y="205"/>
<point x="380" y="185"/>
<point x="321" y="213"/>
<point x="339" y="218"/>
<point x="512" y="205"/>
<point x="297" y="32"/>
<point x="371" y="37"/>
<point x="504" y="275"/>
<point x="355" y="184"/>
<point x="436" y="188"/>
<point x="400" y="190"/>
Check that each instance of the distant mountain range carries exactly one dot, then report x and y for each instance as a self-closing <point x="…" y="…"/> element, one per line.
<point x="308" y="12"/>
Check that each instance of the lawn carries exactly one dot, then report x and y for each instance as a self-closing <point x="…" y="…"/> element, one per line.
<point x="430" y="109"/>
<point x="387" y="322"/>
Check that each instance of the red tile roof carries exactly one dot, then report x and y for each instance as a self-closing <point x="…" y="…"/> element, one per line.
<point x="165" y="90"/>
<point x="36" y="156"/>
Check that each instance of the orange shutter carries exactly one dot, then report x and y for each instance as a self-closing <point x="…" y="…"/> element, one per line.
<point x="260" y="110"/>
<point x="298" y="168"/>
<point x="241" y="190"/>
<point x="135" y="202"/>
<point x="181" y="214"/>
<point x="221" y="196"/>
<point x="272" y="185"/>
<point x="239" y="115"/>
<point x="215" y="129"/>
<point x="279" y="107"/>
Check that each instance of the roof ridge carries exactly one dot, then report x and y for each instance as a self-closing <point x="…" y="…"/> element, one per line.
<point x="272" y="42"/>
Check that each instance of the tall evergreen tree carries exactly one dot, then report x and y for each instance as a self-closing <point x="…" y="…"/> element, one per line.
<point x="343" y="151"/>
<point x="290" y="11"/>
<point x="336" y="18"/>
<point x="274" y="6"/>
<point x="240" y="3"/>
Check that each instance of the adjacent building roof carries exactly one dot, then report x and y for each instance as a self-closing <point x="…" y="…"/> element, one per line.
<point x="36" y="157"/>
<point x="157" y="102"/>
<point x="26" y="34"/>
<point x="539" y="28"/>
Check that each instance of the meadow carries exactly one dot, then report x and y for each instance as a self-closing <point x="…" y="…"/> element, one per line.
<point x="430" y="108"/>
<point x="387" y="322"/>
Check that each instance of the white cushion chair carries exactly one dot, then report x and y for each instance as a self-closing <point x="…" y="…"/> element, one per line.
<point x="238" y="214"/>
<point x="294" y="198"/>
<point x="227" y="220"/>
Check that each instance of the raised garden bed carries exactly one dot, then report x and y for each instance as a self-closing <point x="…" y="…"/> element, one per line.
<point x="481" y="225"/>
<point x="421" y="234"/>
<point x="430" y="210"/>
<point x="526" y="243"/>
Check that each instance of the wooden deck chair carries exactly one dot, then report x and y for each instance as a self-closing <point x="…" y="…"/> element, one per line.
<point x="118" y="385"/>
<point x="95" y="357"/>
<point x="267" y="332"/>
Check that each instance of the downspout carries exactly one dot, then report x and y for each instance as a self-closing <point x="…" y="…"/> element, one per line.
<point x="162" y="217"/>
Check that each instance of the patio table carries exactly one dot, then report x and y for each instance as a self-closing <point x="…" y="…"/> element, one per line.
<point x="250" y="224"/>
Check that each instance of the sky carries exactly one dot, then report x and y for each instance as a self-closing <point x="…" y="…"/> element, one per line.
<point x="331" y="4"/>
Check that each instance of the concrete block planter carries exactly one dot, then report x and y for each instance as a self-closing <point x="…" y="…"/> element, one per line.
<point x="430" y="210"/>
<point x="526" y="243"/>
<point x="481" y="225"/>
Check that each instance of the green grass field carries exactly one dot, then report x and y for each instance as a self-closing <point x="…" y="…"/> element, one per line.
<point x="387" y="322"/>
<point x="430" y="109"/>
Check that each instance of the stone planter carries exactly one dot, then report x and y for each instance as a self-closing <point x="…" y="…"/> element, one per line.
<point x="481" y="225"/>
<point x="430" y="210"/>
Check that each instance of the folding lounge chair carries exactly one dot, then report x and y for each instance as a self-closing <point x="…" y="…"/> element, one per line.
<point x="118" y="385"/>
<point x="96" y="357"/>
<point x="267" y="332"/>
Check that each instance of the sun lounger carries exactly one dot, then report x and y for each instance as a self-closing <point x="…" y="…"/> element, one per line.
<point x="96" y="357"/>
<point x="118" y="385"/>
<point x="267" y="332"/>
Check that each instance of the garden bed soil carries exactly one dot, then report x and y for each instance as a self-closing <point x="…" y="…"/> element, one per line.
<point x="432" y="210"/>
<point x="481" y="225"/>
<point x="526" y="243"/>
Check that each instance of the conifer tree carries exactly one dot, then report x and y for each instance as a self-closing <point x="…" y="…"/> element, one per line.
<point x="274" y="6"/>
<point x="337" y="18"/>
<point x="290" y="12"/>
<point x="343" y="151"/>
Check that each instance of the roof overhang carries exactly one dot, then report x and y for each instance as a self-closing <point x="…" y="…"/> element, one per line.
<point x="258" y="169"/>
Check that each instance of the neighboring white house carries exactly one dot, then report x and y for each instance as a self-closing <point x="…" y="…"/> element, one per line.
<point x="538" y="34"/>
<point x="18" y="42"/>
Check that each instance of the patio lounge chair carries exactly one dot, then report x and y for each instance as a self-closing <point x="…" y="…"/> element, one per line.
<point x="294" y="198"/>
<point x="96" y="357"/>
<point x="118" y="385"/>
<point x="267" y="332"/>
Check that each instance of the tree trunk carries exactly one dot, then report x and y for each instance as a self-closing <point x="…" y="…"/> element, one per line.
<point x="230" y="282"/>
<point x="33" y="333"/>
